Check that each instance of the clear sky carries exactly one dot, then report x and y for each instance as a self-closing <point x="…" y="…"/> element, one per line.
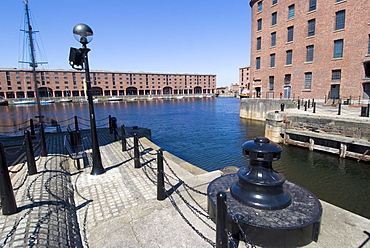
<point x="159" y="36"/>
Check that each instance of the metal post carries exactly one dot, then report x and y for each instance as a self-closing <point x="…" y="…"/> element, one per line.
<point x="339" y="107"/>
<point x="136" y="151"/>
<point x="299" y="104"/>
<point x="76" y="123"/>
<point x="114" y="128"/>
<point x="31" y="164"/>
<point x="97" y="167"/>
<point x="44" y="151"/>
<point x="309" y="103"/>
<point x="32" y="127"/>
<point x="282" y="106"/>
<point x="161" y="191"/>
<point x="368" y="110"/>
<point x="221" y="213"/>
<point x="8" y="203"/>
<point x="305" y="106"/>
<point x="124" y="142"/>
<point x="314" y="107"/>
<point x="110" y="124"/>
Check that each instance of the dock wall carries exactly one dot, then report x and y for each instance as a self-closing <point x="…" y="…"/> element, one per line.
<point x="257" y="109"/>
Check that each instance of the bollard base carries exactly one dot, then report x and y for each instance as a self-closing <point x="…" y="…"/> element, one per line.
<point x="294" y="226"/>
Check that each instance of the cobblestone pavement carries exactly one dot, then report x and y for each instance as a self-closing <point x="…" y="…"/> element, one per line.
<point x="62" y="206"/>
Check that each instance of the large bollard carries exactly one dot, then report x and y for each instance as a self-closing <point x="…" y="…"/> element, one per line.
<point x="314" y="107"/>
<point x="9" y="205"/>
<point x="161" y="191"/>
<point x="124" y="142"/>
<point x="221" y="226"/>
<point x="31" y="164"/>
<point x="136" y="151"/>
<point x="282" y="106"/>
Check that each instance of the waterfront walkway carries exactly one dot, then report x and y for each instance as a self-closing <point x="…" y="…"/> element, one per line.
<point x="65" y="207"/>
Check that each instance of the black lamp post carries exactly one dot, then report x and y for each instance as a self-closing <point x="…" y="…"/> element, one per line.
<point x="78" y="59"/>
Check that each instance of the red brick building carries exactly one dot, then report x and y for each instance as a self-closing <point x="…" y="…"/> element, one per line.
<point x="244" y="79"/>
<point x="18" y="83"/>
<point x="310" y="48"/>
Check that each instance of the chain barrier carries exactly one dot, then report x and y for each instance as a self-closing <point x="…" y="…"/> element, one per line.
<point x="198" y="213"/>
<point x="18" y="151"/>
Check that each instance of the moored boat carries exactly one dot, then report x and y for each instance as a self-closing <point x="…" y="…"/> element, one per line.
<point x="114" y="99"/>
<point x="65" y="100"/>
<point x="23" y="101"/>
<point x="3" y="102"/>
<point x="47" y="101"/>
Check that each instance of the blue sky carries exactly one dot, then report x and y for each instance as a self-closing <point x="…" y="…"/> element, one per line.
<point x="160" y="36"/>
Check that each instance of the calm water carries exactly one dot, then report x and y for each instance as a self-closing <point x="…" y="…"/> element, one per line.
<point x="209" y="133"/>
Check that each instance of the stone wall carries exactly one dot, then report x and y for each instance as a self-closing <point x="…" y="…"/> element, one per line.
<point x="257" y="109"/>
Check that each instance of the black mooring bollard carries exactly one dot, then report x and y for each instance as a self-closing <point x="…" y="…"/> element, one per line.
<point x="32" y="127"/>
<point x="136" y="151"/>
<point x="31" y="164"/>
<point x="299" y="104"/>
<point x="44" y="151"/>
<point x="314" y="107"/>
<point x="221" y="213"/>
<point x="76" y="123"/>
<point x="110" y="124"/>
<point x="124" y="142"/>
<point x="161" y="191"/>
<point x="282" y="106"/>
<point x="340" y="107"/>
<point x="305" y="106"/>
<point x="8" y="203"/>
<point x="309" y="103"/>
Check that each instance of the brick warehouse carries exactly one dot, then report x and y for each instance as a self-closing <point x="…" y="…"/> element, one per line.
<point x="18" y="83"/>
<point x="310" y="49"/>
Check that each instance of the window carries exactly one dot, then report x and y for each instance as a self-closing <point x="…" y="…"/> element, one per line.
<point x="258" y="63"/>
<point x="338" y="49"/>
<point x="259" y="40"/>
<point x="259" y="6"/>
<point x="311" y="27"/>
<point x="273" y="39"/>
<point x="312" y="5"/>
<point x="291" y="11"/>
<point x="287" y="78"/>
<point x="336" y="75"/>
<point x="289" y="57"/>
<point x="273" y="18"/>
<point x="309" y="53"/>
<point x="271" y="82"/>
<point x="307" y="80"/>
<point x="259" y="24"/>
<point x="272" y="60"/>
<point x="340" y="19"/>
<point x="290" y="33"/>
<point x="274" y="2"/>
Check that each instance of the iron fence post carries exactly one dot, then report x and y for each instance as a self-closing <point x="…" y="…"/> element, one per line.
<point x="9" y="206"/>
<point x="221" y="213"/>
<point x="161" y="192"/>
<point x="136" y="151"/>
<point x="31" y="164"/>
<point x="124" y="142"/>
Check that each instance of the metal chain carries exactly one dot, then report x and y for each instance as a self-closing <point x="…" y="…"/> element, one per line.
<point x="213" y="244"/>
<point x="20" y="148"/>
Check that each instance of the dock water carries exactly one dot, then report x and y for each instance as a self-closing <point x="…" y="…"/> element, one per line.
<point x="62" y="206"/>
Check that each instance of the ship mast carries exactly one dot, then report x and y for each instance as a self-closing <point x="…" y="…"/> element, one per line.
<point x="33" y="63"/>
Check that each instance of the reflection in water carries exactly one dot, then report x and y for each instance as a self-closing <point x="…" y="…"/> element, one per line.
<point x="209" y="133"/>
